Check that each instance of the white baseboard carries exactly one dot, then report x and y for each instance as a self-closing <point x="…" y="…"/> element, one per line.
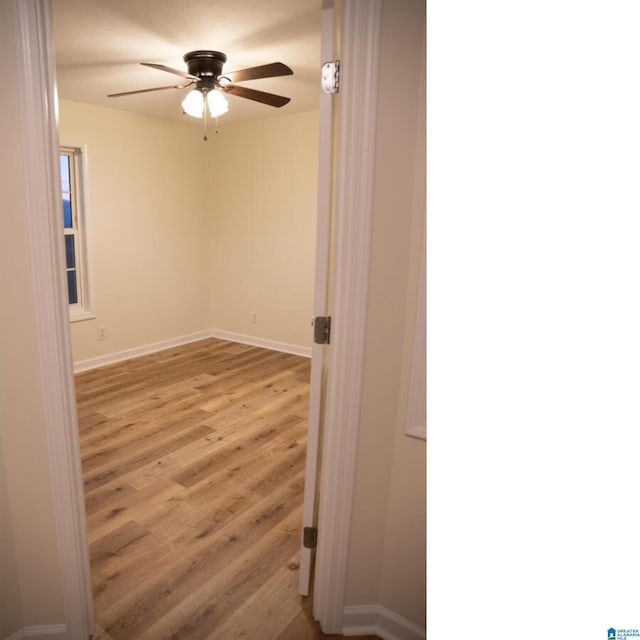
<point x="261" y="342"/>
<point x="44" y="632"/>
<point x="376" y="620"/>
<point x="135" y="352"/>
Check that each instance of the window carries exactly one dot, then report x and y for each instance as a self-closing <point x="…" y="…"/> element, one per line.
<point x="74" y="239"/>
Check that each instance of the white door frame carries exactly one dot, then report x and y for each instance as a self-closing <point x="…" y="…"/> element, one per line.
<point x="40" y="151"/>
<point x="360" y="22"/>
<point x="354" y="192"/>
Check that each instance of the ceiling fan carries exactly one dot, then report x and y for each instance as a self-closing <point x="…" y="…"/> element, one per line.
<point x="204" y="70"/>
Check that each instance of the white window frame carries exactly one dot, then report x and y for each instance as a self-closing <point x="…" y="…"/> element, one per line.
<point x="82" y="310"/>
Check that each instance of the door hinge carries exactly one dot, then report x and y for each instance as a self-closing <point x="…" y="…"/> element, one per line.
<point x="322" y="329"/>
<point x="310" y="537"/>
<point x="331" y="77"/>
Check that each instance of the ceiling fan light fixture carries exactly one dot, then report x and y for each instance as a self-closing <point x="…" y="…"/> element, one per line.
<point x="217" y="103"/>
<point x="205" y="72"/>
<point x="193" y="103"/>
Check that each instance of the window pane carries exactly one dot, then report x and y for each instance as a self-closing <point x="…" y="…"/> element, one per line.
<point x="69" y="242"/>
<point x="65" y="177"/>
<point x="72" y="287"/>
<point x="66" y="212"/>
<point x="72" y="223"/>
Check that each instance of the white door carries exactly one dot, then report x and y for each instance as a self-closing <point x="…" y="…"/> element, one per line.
<point x="319" y="353"/>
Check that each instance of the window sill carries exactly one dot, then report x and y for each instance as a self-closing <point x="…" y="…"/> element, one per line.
<point x="78" y="316"/>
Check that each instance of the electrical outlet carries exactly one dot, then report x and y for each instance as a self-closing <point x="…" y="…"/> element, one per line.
<point x="102" y="333"/>
<point x="254" y="318"/>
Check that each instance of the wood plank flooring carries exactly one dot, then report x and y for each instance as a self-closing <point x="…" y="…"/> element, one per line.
<point x="193" y="464"/>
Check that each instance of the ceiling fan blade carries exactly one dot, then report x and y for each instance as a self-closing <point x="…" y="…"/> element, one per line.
<point x="259" y="96"/>
<point x="254" y="73"/>
<point x="163" y="67"/>
<point x="129" y="93"/>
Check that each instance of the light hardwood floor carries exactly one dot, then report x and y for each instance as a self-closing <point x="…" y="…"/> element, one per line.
<point x="193" y="465"/>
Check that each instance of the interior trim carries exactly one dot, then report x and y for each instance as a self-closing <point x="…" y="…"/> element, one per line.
<point x="379" y="621"/>
<point x="136" y="352"/>
<point x="254" y="341"/>
<point x="154" y="347"/>
<point x="40" y="155"/>
<point x="355" y="163"/>
<point x="44" y="632"/>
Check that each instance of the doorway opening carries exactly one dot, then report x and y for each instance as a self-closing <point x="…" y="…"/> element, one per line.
<point x="99" y="450"/>
<point x="53" y="346"/>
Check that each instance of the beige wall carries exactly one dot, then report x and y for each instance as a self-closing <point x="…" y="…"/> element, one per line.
<point x="263" y="184"/>
<point x="29" y="571"/>
<point x="146" y="198"/>
<point x="387" y="548"/>
<point x="187" y="236"/>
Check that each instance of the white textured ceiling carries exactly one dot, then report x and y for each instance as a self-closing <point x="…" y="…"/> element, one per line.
<point x="100" y="43"/>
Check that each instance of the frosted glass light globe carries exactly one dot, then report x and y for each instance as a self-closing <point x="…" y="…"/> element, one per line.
<point x="218" y="104"/>
<point x="193" y="103"/>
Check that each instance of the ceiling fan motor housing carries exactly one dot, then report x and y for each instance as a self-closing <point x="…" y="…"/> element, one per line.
<point x="205" y="64"/>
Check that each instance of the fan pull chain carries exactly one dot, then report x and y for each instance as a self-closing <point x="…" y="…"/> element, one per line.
<point x="204" y="113"/>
